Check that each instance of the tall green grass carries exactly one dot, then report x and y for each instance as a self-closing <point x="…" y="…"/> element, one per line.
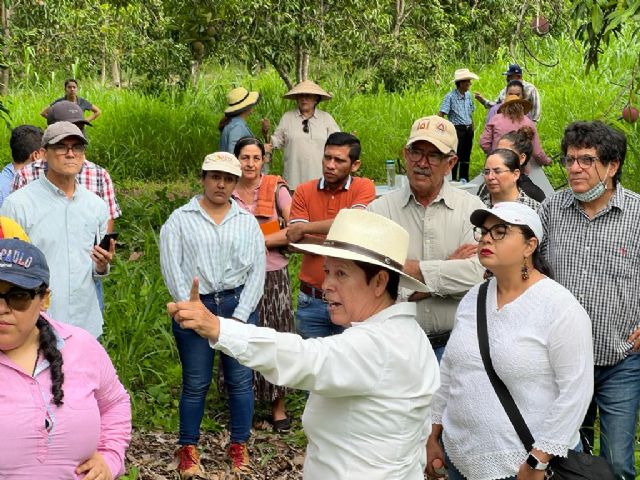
<point x="166" y="137"/>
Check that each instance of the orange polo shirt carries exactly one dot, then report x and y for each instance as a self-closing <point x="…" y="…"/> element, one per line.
<point x="313" y="203"/>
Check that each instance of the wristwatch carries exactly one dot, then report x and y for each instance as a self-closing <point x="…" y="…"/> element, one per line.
<point x="536" y="464"/>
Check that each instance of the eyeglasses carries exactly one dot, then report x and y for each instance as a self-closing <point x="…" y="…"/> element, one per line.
<point x="585" y="161"/>
<point x="61" y="149"/>
<point x="497" y="232"/>
<point x="433" y="158"/>
<point x="305" y="125"/>
<point x="20" y="298"/>
<point x="496" y="171"/>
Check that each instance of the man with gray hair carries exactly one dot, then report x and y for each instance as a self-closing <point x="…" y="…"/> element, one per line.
<point x="442" y="251"/>
<point x="65" y="220"/>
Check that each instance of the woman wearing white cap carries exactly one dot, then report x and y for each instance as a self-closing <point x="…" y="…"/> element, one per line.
<point x="368" y="411"/>
<point x="303" y="132"/>
<point x="233" y="125"/>
<point x="540" y="345"/>
<point x="212" y="238"/>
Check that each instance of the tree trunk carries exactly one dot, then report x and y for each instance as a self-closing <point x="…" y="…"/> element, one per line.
<point x="399" y="17"/>
<point x="304" y="70"/>
<point x="115" y="71"/>
<point x="298" y="63"/>
<point x="4" y="70"/>
<point x="283" y="74"/>
<point x="195" y="72"/>
<point x="103" y="67"/>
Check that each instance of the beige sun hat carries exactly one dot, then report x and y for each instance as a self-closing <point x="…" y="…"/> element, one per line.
<point x="367" y="237"/>
<point x="464" y="74"/>
<point x="240" y="98"/>
<point x="511" y="99"/>
<point x="307" y="87"/>
<point x="436" y="130"/>
<point x="222" y="162"/>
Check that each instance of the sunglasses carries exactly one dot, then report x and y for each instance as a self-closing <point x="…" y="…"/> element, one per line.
<point x="305" y="125"/>
<point x="19" y="298"/>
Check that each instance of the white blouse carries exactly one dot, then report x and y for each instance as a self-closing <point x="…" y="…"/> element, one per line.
<point x="368" y="415"/>
<point x="541" y="348"/>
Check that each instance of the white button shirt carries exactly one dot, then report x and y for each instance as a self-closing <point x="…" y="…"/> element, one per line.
<point x="368" y="415"/>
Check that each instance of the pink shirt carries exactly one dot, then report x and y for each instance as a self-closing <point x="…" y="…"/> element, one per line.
<point x="275" y="260"/>
<point x="95" y="415"/>
<point x="501" y="124"/>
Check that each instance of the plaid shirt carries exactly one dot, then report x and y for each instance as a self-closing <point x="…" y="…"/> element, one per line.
<point x="598" y="260"/>
<point x="93" y="177"/>
<point x="485" y="196"/>
<point x="458" y="107"/>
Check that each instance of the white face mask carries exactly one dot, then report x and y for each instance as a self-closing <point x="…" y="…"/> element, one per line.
<point x="593" y="193"/>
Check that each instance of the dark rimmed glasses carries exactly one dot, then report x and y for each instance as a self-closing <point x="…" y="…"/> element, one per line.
<point x="497" y="232"/>
<point x="20" y="298"/>
<point x="585" y="161"/>
<point x="305" y="125"/>
<point x="433" y="158"/>
<point x="61" y="149"/>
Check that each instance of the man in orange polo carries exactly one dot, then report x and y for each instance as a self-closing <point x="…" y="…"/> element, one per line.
<point x="315" y="204"/>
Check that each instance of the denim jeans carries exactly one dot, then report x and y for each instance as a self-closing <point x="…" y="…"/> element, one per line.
<point x="196" y="357"/>
<point x="312" y="318"/>
<point x="617" y="398"/>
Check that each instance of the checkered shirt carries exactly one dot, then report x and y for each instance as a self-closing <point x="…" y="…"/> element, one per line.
<point x="458" y="108"/>
<point x="93" y="177"/>
<point x="598" y="260"/>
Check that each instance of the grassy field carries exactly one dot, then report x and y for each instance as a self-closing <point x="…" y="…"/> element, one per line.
<point x="153" y="147"/>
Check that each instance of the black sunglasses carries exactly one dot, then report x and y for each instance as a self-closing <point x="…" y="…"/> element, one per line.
<point x="305" y="125"/>
<point x="19" y="298"/>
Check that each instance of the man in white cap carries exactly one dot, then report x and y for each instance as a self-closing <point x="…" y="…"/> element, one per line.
<point x="302" y="133"/>
<point x="442" y="251"/>
<point x="65" y="221"/>
<point x="458" y="107"/>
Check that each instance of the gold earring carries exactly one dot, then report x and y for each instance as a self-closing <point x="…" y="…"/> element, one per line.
<point x="525" y="270"/>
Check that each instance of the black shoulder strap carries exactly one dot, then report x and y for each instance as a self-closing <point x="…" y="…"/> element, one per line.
<point x="501" y="389"/>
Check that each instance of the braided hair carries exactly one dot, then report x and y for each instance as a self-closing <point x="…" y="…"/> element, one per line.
<point x="47" y="344"/>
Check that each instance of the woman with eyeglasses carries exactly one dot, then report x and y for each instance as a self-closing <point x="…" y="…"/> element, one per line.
<point x="302" y="133"/>
<point x="541" y="348"/>
<point x="501" y="174"/>
<point x="268" y="199"/>
<point x="63" y="411"/>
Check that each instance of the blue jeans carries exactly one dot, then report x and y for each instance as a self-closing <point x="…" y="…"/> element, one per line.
<point x="617" y="398"/>
<point x="312" y="318"/>
<point x="196" y="357"/>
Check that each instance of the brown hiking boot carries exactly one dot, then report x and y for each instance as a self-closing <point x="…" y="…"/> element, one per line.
<point x="188" y="461"/>
<point x="239" y="456"/>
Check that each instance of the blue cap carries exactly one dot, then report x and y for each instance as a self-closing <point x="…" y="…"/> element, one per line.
<point x="514" y="69"/>
<point x="22" y="264"/>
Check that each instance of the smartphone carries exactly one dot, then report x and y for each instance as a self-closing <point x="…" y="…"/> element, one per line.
<point x="106" y="240"/>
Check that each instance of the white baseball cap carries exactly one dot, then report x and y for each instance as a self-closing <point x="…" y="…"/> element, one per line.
<point x="222" y="162"/>
<point x="511" y="212"/>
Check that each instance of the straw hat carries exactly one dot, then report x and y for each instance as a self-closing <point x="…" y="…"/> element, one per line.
<point x="464" y="74"/>
<point x="511" y="99"/>
<point x="240" y="98"/>
<point x="307" y="87"/>
<point x="367" y="237"/>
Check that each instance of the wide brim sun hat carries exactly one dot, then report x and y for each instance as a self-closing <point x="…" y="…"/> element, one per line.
<point x="240" y="99"/>
<point x="464" y="74"/>
<point x="511" y="99"/>
<point x="307" y="87"/>
<point x="364" y="236"/>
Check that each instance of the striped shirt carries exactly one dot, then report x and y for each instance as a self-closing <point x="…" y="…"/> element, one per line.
<point x="92" y="177"/>
<point x="458" y="107"/>
<point x="223" y="256"/>
<point x="598" y="260"/>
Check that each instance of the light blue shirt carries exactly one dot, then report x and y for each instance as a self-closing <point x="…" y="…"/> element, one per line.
<point x="232" y="132"/>
<point x="6" y="181"/>
<point x="65" y="229"/>
<point x="458" y="107"/>
<point x="223" y="256"/>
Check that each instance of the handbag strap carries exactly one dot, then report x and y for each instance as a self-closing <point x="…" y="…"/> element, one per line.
<point x="501" y="389"/>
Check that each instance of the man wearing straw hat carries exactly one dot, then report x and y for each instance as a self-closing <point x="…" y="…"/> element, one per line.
<point x="303" y="132"/>
<point x="442" y="251"/>
<point x="458" y="107"/>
